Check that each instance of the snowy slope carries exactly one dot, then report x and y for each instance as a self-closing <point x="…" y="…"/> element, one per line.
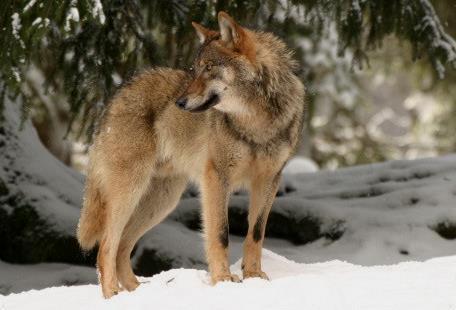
<point x="374" y="214"/>
<point x="389" y="212"/>
<point x="331" y="285"/>
<point x="54" y="189"/>
<point x="17" y="278"/>
<point x="384" y="214"/>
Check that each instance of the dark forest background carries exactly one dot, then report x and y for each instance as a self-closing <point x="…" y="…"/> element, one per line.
<point x="65" y="59"/>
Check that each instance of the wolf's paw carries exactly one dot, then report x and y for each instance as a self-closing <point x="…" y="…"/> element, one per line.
<point x="130" y="285"/>
<point x="109" y="292"/>
<point x="225" y="277"/>
<point x="255" y="274"/>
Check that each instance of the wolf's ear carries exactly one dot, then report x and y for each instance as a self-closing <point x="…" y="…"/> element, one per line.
<point x="235" y="37"/>
<point x="229" y="29"/>
<point x="202" y="32"/>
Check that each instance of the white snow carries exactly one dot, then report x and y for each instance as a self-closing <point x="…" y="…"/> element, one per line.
<point x="55" y="188"/>
<point x="97" y="11"/>
<point x="441" y="40"/>
<point x="331" y="285"/>
<point x="300" y="164"/>
<point x="17" y="278"/>
<point x="387" y="212"/>
<point x="29" y="5"/>
<point x="41" y="22"/>
<point x="37" y="21"/>
<point x="16" y="74"/>
<point x="16" y="25"/>
<point x="385" y="209"/>
<point x="72" y="15"/>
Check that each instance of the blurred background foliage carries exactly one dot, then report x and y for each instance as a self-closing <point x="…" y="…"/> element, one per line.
<point x="380" y="74"/>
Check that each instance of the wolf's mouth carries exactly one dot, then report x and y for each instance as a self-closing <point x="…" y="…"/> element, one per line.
<point x="209" y="103"/>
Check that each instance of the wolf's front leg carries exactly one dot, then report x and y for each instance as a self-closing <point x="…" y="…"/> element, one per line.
<point x="262" y="194"/>
<point x="215" y="222"/>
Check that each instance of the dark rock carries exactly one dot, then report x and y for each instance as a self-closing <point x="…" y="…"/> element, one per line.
<point x="27" y="238"/>
<point x="404" y="252"/>
<point x="150" y="262"/>
<point x="446" y="230"/>
<point x="283" y="225"/>
<point x="3" y="188"/>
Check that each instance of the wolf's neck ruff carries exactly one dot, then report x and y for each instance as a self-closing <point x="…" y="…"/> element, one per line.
<point x="251" y="139"/>
<point x="271" y="103"/>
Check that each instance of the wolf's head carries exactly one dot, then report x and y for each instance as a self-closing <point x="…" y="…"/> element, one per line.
<point x="223" y="67"/>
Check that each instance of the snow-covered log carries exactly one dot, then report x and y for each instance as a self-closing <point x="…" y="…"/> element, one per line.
<point x="40" y="197"/>
<point x="374" y="214"/>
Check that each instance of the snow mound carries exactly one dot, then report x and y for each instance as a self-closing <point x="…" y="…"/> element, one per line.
<point x="300" y="164"/>
<point x="330" y="285"/>
<point x="16" y="278"/>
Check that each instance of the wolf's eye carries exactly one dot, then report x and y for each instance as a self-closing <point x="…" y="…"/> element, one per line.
<point x="190" y="69"/>
<point x="209" y="67"/>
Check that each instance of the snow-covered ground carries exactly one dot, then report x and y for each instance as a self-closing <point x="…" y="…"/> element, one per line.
<point x="386" y="213"/>
<point x="383" y="213"/>
<point x="17" y="278"/>
<point x="330" y="285"/>
<point x="394" y="248"/>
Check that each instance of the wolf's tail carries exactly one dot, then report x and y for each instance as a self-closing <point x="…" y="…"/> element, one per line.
<point x="90" y="225"/>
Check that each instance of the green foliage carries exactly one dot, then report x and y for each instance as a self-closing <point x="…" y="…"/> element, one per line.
<point x="363" y="25"/>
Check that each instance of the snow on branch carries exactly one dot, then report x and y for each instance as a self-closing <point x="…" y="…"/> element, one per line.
<point x="438" y="41"/>
<point x="364" y="24"/>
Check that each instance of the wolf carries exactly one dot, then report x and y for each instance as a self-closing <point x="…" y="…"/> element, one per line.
<point x="152" y="141"/>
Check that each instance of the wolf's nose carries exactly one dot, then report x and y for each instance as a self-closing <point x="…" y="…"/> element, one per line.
<point x="181" y="102"/>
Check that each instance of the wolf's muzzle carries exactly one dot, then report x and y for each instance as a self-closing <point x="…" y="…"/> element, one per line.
<point x="209" y="103"/>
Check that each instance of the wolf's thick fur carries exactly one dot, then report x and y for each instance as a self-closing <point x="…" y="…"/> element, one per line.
<point x="147" y="149"/>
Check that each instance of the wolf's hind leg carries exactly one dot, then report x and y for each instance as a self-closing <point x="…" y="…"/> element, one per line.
<point x="262" y="194"/>
<point x="122" y="196"/>
<point x="160" y="198"/>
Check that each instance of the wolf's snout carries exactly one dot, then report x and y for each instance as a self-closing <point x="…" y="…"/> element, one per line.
<point x="181" y="102"/>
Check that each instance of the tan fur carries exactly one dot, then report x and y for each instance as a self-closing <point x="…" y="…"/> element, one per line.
<point x="92" y="215"/>
<point x="147" y="149"/>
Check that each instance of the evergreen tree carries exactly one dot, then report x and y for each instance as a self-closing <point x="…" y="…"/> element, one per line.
<point x="86" y="48"/>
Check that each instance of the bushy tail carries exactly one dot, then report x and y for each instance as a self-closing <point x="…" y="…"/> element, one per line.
<point x="90" y="225"/>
